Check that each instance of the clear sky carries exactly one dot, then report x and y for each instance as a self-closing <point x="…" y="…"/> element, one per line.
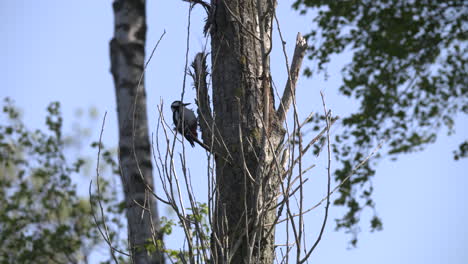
<point x="58" y="50"/>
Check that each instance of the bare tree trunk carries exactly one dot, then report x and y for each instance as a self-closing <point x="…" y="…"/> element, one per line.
<point x="244" y="115"/>
<point x="127" y="51"/>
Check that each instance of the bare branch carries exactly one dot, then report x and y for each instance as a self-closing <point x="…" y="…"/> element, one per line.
<point x="105" y="234"/>
<point x="337" y="187"/>
<point x="327" y="119"/>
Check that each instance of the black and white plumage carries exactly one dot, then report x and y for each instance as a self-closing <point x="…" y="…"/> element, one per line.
<point x="190" y="122"/>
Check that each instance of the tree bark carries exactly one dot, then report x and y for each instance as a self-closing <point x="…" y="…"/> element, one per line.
<point x="127" y="52"/>
<point x="244" y="115"/>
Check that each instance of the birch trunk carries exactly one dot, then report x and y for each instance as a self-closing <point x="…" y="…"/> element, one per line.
<point x="127" y="51"/>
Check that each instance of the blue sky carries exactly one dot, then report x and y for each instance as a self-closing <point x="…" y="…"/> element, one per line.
<point x="58" y="50"/>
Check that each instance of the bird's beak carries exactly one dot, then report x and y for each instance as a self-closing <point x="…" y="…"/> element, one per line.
<point x="186" y="104"/>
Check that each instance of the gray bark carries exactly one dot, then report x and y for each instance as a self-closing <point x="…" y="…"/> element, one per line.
<point x="245" y="117"/>
<point x="127" y="51"/>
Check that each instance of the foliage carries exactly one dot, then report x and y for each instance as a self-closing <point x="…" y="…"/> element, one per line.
<point x="408" y="72"/>
<point x="199" y="230"/>
<point x="43" y="219"/>
<point x="462" y="151"/>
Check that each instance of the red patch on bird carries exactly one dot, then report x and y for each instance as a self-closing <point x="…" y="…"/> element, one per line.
<point x="193" y="130"/>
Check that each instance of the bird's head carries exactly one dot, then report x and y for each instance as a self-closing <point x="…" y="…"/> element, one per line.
<point x="177" y="104"/>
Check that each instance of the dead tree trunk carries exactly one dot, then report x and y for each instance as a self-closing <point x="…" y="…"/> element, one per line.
<point x="127" y="51"/>
<point x="247" y="130"/>
<point x="240" y="86"/>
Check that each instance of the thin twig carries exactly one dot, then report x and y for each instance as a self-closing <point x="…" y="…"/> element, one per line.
<point x="327" y="206"/>
<point x="202" y="3"/>
<point x="342" y="182"/>
<point x="105" y="234"/>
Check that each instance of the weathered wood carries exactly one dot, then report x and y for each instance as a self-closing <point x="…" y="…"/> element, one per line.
<point x="290" y="89"/>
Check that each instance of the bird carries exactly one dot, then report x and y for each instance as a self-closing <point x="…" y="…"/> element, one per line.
<point x="188" y="126"/>
<point x="185" y="122"/>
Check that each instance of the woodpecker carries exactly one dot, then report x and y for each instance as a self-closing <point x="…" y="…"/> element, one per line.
<point x="181" y="113"/>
